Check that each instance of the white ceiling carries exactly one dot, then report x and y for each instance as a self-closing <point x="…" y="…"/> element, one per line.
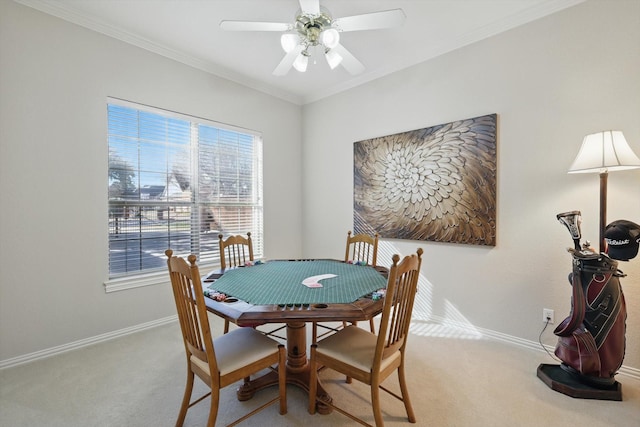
<point x="188" y="31"/>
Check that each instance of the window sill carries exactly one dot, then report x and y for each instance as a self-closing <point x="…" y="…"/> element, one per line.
<point x="141" y="280"/>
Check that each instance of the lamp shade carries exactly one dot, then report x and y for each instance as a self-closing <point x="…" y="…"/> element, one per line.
<point x="289" y="41"/>
<point x="301" y="62"/>
<point x="604" y="151"/>
<point x="330" y="38"/>
<point x="333" y="59"/>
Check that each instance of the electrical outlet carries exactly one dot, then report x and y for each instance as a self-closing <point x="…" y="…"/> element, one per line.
<point x="547" y="315"/>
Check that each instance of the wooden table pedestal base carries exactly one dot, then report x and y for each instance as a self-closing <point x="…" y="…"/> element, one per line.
<point x="297" y="370"/>
<point x="301" y="379"/>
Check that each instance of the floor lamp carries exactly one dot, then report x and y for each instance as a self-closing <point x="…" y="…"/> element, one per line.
<point x="600" y="152"/>
<point x="603" y="152"/>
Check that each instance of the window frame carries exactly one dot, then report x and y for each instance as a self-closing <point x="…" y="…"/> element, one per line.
<point x="154" y="276"/>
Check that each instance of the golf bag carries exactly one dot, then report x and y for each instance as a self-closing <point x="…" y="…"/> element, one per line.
<point x="591" y="340"/>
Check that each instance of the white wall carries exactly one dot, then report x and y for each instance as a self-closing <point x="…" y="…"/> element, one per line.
<point x="551" y="82"/>
<point x="54" y="81"/>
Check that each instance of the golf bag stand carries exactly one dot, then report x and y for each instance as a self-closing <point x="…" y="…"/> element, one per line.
<point x="591" y="341"/>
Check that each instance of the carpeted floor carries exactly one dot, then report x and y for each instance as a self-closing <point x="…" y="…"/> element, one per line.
<point x="455" y="379"/>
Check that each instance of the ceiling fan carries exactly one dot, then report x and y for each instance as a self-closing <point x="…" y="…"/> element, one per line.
<point x="315" y="28"/>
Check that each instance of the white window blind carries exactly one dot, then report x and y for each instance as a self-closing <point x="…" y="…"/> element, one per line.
<point x="177" y="181"/>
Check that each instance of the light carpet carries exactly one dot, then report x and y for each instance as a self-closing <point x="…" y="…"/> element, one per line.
<point x="455" y="379"/>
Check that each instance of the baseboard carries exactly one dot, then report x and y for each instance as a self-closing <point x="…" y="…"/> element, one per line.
<point x="48" y="352"/>
<point x="531" y="345"/>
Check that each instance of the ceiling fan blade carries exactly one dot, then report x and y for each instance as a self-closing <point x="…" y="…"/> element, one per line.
<point x="349" y="62"/>
<point x="371" y="21"/>
<point x="312" y="7"/>
<point x="254" y="26"/>
<point x="287" y="62"/>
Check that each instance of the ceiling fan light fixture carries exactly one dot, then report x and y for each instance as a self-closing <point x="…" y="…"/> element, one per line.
<point x="314" y="29"/>
<point x="330" y="38"/>
<point x="288" y="42"/>
<point x="301" y="62"/>
<point x="333" y="58"/>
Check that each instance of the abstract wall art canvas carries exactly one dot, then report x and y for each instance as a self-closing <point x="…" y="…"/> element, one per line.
<point x="435" y="184"/>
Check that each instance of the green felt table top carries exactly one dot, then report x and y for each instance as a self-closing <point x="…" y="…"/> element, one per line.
<point x="280" y="282"/>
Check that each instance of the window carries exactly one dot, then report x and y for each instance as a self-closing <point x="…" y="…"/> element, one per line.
<point x="177" y="182"/>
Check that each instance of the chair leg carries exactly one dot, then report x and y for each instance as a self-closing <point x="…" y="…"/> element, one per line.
<point x="348" y="379"/>
<point x="213" y="408"/>
<point x="372" y="326"/>
<point x="313" y="380"/>
<point x="405" y="393"/>
<point x="314" y="332"/>
<point x="375" y="403"/>
<point x="282" y="379"/>
<point x="188" y="388"/>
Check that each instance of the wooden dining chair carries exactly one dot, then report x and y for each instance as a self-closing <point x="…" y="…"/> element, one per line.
<point x="220" y="361"/>
<point x="361" y="248"/>
<point x="234" y="251"/>
<point x="237" y="251"/>
<point x="371" y="358"/>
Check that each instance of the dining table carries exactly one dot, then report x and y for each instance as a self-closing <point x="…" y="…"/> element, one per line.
<point x="295" y="292"/>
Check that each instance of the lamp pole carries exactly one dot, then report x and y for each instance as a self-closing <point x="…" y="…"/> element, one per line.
<point x="603" y="208"/>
